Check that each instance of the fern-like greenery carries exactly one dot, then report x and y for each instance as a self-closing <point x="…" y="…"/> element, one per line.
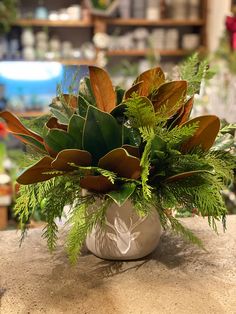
<point x="195" y="71"/>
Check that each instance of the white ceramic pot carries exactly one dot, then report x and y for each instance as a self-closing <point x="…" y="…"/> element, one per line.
<point x="125" y="235"/>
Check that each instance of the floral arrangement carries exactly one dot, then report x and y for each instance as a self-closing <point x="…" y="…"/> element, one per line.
<point x="137" y="144"/>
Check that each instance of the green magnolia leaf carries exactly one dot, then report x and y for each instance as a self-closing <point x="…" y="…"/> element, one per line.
<point x="119" y="113"/>
<point x="123" y="194"/>
<point x="119" y="94"/>
<point x="130" y="136"/>
<point x="101" y="134"/>
<point x="86" y="90"/>
<point x="59" y="140"/>
<point x="158" y="148"/>
<point x="75" y="129"/>
<point x="83" y="105"/>
<point x="62" y="118"/>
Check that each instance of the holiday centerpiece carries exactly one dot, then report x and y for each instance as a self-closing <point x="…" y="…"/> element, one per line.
<point x="123" y="161"/>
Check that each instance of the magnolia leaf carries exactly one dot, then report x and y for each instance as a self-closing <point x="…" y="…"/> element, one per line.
<point x="67" y="157"/>
<point x="101" y="134"/>
<point x="133" y="89"/>
<point x="31" y="141"/>
<point x="54" y="124"/>
<point x="132" y="150"/>
<point x="123" y="194"/>
<point x="62" y="118"/>
<point x="58" y="140"/>
<point x="85" y="90"/>
<point x="205" y="135"/>
<point x="130" y="136"/>
<point x="119" y="113"/>
<point x="119" y="94"/>
<point x="75" y="129"/>
<point x="102" y="88"/>
<point x="184" y="175"/>
<point x="99" y="184"/>
<point x="170" y="95"/>
<point x="37" y="172"/>
<point x="151" y="80"/>
<point x="15" y="126"/>
<point x="83" y="106"/>
<point x="185" y="114"/>
<point x="120" y="162"/>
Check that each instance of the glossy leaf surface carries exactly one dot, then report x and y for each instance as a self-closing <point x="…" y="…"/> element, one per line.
<point x="75" y="129"/>
<point x="171" y="95"/>
<point x="15" y="126"/>
<point x="102" y="133"/>
<point x="208" y="128"/>
<point x="75" y="156"/>
<point x="99" y="184"/>
<point x="151" y="80"/>
<point x="58" y="140"/>
<point x="120" y="162"/>
<point x="122" y="195"/>
<point x="36" y="173"/>
<point x="102" y="88"/>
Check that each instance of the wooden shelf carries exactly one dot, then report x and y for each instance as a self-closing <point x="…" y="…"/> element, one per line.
<point x="177" y="53"/>
<point x="76" y="62"/>
<point x="161" y="22"/>
<point x="70" y="23"/>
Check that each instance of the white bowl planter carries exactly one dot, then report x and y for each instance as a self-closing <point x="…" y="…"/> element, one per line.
<point x="125" y="235"/>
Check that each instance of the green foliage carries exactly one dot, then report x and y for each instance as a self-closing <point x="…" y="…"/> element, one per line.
<point x="140" y="111"/>
<point x="156" y="170"/>
<point x="194" y="72"/>
<point x="84" y="217"/>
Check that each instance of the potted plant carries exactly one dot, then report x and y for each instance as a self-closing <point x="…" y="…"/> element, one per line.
<point x="123" y="160"/>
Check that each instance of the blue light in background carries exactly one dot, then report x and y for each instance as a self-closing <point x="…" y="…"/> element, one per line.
<point x="32" y="85"/>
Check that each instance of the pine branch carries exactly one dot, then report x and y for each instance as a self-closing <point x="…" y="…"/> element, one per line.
<point x="84" y="217"/>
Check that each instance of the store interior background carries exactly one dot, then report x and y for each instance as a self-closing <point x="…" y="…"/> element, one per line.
<point x="51" y="41"/>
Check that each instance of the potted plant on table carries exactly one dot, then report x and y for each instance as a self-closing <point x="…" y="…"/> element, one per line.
<point x="123" y="160"/>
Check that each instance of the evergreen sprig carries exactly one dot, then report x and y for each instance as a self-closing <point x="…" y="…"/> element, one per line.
<point x="194" y="72"/>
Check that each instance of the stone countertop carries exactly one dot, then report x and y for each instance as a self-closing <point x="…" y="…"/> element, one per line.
<point x="176" y="278"/>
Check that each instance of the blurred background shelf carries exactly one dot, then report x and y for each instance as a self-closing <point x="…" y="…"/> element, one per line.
<point x="160" y="22"/>
<point x="42" y="23"/>
<point x="135" y="53"/>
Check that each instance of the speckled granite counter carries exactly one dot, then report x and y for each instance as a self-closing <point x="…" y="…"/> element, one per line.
<point x="176" y="278"/>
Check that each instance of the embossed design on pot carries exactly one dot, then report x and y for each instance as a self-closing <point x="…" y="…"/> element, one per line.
<point x="124" y="235"/>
